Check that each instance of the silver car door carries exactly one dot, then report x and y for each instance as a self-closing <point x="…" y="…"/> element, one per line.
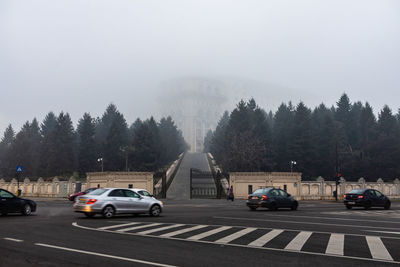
<point x="118" y="200"/>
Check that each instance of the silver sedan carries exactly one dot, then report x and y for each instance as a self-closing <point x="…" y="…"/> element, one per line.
<point x="111" y="201"/>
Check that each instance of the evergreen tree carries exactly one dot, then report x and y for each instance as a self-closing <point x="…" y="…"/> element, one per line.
<point x="172" y="143"/>
<point x="49" y="148"/>
<point x="207" y="141"/>
<point x="6" y="162"/>
<point x="87" y="151"/>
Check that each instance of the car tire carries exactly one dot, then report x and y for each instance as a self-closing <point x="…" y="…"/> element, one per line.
<point x="27" y="210"/>
<point x="108" y="212"/>
<point x="89" y="214"/>
<point x="253" y="208"/>
<point x="294" y="206"/>
<point x="155" y="211"/>
<point x="349" y="207"/>
<point x="387" y="205"/>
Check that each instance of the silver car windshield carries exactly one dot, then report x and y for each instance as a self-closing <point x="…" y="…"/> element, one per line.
<point x="98" y="192"/>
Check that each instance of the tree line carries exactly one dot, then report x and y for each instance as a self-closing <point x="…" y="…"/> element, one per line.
<point x="55" y="148"/>
<point x="344" y="140"/>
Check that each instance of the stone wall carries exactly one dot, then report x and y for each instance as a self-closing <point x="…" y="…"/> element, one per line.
<point x="41" y="188"/>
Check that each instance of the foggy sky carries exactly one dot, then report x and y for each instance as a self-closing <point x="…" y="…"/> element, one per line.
<point x="78" y="56"/>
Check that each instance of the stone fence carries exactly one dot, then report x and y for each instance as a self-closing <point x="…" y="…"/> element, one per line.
<point x="321" y="189"/>
<point x="42" y="188"/>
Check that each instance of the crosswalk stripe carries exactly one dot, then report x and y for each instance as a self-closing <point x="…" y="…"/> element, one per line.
<point x="118" y="225"/>
<point x="178" y="232"/>
<point x="208" y="233"/>
<point x="336" y="245"/>
<point x="235" y="235"/>
<point x="377" y="248"/>
<point x="265" y="238"/>
<point x="298" y="242"/>
<point x="138" y="227"/>
<point x="159" y="229"/>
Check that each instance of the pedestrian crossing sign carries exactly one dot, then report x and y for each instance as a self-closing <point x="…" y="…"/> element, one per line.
<point x="19" y="168"/>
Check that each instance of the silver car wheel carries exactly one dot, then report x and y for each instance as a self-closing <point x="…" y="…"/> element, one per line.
<point x="108" y="212"/>
<point x="27" y="209"/>
<point x="155" y="211"/>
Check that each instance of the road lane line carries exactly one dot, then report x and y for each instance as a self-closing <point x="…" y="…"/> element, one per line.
<point x="13" y="239"/>
<point x="235" y="235"/>
<point x="104" y="255"/>
<point x="159" y="229"/>
<point x="377" y="248"/>
<point x="265" y="238"/>
<point x="335" y="245"/>
<point x="138" y="227"/>
<point x="384" y="232"/>
<point x="118" y="225"/>
<point x="209" y="233"/>
<point x="183" y="231"/>
<point x="75" y="224"/>
<point x="301" y="222"/>
<point x="298" y="242"/>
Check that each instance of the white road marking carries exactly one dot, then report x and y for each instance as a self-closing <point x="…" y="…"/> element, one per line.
<point x="384" y="232"/>
<point x="247" y="246"/>
<point x="302" y="222"/>
<point x="265" y="238"/>
<point x="104" y="255"/>
<point x="13" y="239"/>
<point x="117" y="225"/>
<point x="235" y="235"/>
<point x="138" y="227"/>
<point x="183" y="231"/>
<point x="336" y="245"/>
<point x="298" y="242"/>
<point x="208" y="233"/>
<point x="377" y="248"/>
<point x="159" y="229"/>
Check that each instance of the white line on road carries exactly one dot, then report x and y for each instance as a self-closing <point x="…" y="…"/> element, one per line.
<point x="377" y="248"/>
<point x="13" y="239"/>
<point x="335" y="245"/>
<point x="302" y="222"/>
<point x="117" y="225"/>
<point x="235" y="235"/>
<point x="104" y="255"/>
<point x="183" y="231"/>
<point x="159" y="229"/>
<point x="138" y="227"/>
<point x="384" y="232"/>
<point x="265" y="238"/>
<point x="298" y="242"/>
<point x="243" y="246"/>
<point x="208" y="233"/>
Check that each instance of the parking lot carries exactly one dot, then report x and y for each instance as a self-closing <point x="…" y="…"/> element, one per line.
<point x="204" y="233"/>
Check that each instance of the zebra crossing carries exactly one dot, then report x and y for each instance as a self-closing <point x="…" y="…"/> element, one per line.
<point x="363" y="247"/>
<point x="361" y="212"/>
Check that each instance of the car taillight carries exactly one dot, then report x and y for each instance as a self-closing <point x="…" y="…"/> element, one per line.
<point x="248" y="196"/>
<point x="91" y="201"/>
<point x="344" y="196"/>
<point x="264" y="197"/>
<point x="360" y="196"/>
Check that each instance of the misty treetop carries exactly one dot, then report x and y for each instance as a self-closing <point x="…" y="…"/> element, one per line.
<point x="249" y="139"/>
<point x="55" y="148"/>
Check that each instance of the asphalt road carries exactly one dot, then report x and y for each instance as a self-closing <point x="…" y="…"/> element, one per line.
<point x="204" y="233"/>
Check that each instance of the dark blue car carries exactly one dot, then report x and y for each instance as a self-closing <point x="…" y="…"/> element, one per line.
<point x="271" y="198"/>
<point x="9" y="203"/>
<point x="366" y="198"/>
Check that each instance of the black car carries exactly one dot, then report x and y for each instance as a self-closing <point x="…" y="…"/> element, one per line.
<point x="366" y="198"/>
<point x="9" y="203"/>
<point x="271" y="198"/>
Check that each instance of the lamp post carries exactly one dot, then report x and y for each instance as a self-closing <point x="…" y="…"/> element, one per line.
<point x="102" y="166"/>
<point x="292" y="162"/>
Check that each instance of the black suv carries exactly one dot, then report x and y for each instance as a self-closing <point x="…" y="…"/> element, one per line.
<point x="271" y="198"/>
<point x="366" y="198"/>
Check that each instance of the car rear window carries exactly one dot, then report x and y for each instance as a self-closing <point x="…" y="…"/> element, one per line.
<point x="262" y="191"/>
<point x="98" y="192"/>
<point x="357" y="191"/>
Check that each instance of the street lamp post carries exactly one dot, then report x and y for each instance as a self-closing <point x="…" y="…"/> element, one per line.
<point x="292" y="162"/>
<point x="102" y="166"/>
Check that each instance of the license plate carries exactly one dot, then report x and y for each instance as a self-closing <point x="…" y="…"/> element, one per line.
<point x="82" y="200"/>
<point x="254" y="198"/>
<point x="351" y="203"/>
